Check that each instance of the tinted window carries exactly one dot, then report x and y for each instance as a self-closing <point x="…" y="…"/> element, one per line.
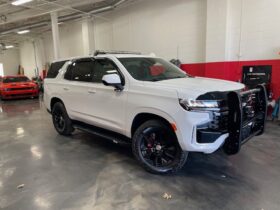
<point x="15" y="79"/>
<point x="151" y="69"/>
<point x="82" y="71"/>
<point x="54" y="69"/>
<point x="68" y="74"/>
<point x="103" y="67"/>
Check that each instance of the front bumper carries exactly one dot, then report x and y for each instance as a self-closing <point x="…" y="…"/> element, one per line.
<point x="244" y="119"/>
<point x="19" y="94"/>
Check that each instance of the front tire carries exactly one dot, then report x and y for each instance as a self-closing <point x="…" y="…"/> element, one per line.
<point x="61" y="120"/>
<point x="155" y="146"/>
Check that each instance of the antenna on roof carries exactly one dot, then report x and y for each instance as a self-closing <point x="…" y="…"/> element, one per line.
<point x="102" y="52"/>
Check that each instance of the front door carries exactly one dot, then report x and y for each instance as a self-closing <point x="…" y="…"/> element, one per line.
<point x="104" y="106"/>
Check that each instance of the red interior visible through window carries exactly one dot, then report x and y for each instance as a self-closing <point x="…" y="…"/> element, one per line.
<point x="156" y="70"/>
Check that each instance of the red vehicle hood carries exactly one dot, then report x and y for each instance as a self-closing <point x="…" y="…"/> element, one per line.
<point x="18" y="85"/>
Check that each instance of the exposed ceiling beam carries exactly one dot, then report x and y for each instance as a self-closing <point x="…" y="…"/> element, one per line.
<point x="44" y="21"/>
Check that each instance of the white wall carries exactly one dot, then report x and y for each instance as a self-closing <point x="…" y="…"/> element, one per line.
<point x="159" y="26"/>
<point x="10" y="60"/>
<point x="201" y="31"/>
<point x="253" y="30"/>
<point x="70" y="41"/>
<point x="260" y="29"/>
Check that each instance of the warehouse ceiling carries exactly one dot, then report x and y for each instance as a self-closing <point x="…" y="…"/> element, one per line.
<point x="35" y="15"/>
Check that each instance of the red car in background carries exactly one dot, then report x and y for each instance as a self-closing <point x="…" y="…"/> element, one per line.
<point x="17" y="87"/>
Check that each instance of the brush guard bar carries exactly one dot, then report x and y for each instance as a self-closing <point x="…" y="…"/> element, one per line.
<point x="247" y="117"/>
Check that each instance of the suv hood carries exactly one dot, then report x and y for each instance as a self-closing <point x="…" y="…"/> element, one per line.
<point x="192" y="87"/>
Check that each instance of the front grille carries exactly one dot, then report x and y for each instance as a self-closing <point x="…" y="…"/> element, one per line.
<point x="220" y="121"/>
<point x="249" y="105"/>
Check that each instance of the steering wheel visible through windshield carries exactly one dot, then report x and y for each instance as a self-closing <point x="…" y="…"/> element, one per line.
<point x="151" y="69"/>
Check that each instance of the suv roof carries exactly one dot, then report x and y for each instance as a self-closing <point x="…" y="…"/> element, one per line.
<point x="57" y="64"/>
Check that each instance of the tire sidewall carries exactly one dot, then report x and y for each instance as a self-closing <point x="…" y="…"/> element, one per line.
<point x="136" y="147"/>
<point x="67" y="130"/>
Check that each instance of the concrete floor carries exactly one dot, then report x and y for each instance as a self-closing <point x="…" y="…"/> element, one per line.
<point x="86" y="172"/>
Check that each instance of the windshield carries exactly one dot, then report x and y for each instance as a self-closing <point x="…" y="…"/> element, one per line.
<point x="15" y="79"/>
<point x="151" y="69"/>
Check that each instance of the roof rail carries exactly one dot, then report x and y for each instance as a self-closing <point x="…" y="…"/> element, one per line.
<point x="102" y="52"/>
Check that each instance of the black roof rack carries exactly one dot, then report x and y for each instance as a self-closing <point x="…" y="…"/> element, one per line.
<point x="102" y="52"/>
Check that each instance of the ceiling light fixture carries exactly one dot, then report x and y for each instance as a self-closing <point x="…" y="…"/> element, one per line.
<point x="9" y="46"/>
<point x="19" y="2"/>
<point x="23" y="32"/>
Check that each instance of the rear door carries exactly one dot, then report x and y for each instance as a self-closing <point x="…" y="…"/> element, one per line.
<point x="75" y="88"/>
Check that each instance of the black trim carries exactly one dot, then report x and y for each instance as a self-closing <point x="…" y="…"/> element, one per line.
<point x="104" y="133"/>
<point x="206" y="136"/>
<point x="241" y="125"/>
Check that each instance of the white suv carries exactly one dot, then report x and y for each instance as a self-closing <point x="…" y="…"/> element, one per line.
<point x="146" y="101"/>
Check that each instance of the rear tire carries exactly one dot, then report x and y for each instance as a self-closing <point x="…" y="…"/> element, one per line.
<point x="61" y="120"/>
<point x="155" y="146"/>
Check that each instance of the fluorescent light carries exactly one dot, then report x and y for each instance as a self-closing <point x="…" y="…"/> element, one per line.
<point x="23" y="32"/>
<point x="9" y="46"/>
<point x="19" y="2"/>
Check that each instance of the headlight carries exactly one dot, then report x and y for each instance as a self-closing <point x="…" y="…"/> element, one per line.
<point x="199" y="104"/>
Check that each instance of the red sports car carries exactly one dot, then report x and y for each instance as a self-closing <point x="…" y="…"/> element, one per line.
<point x="17" y="87"/>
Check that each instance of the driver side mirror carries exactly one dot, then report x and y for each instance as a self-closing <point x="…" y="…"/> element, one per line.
<point x="113" y="80"/>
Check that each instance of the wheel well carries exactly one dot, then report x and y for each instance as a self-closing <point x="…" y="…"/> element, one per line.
<point x="144" y="117"/>
<point x="55" y="100"/>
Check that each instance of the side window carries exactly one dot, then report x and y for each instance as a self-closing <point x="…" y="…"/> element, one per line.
<point x="68" y="74"/>
<point x="103" y="67"/>
<point x="54" y="69"/>
<point x="82" y="71"/>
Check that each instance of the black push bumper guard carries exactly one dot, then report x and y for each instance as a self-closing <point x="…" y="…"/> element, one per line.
<point x="247" y="117"/>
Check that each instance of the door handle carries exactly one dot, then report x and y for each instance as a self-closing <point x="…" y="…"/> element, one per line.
<point x="65" y="88"/>
<point x="92" y="91"/>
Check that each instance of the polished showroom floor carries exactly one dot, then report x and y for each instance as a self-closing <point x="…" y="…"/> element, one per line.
<point x="41" y="170"/>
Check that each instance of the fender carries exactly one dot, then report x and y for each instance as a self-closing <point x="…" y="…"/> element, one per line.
<point x="147" y="110"/>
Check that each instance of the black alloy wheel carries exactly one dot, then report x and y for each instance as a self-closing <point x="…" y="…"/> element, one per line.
<point x="156" y="147"/>
<point x="61" y="120"/>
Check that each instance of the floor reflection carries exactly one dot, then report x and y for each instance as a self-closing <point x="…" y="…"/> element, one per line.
<point x="16" y="107"/>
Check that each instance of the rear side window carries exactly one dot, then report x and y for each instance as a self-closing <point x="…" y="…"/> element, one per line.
<point x="54" y="69"/>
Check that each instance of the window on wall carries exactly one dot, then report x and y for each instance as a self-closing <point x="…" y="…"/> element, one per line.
<point x="1" y="70"/>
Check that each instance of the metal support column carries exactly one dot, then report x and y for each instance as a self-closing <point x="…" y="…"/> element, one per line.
<point x="55" y="34"/>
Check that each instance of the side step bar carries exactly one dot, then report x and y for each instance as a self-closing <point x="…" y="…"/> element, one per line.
<point x="108" y="135"/>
